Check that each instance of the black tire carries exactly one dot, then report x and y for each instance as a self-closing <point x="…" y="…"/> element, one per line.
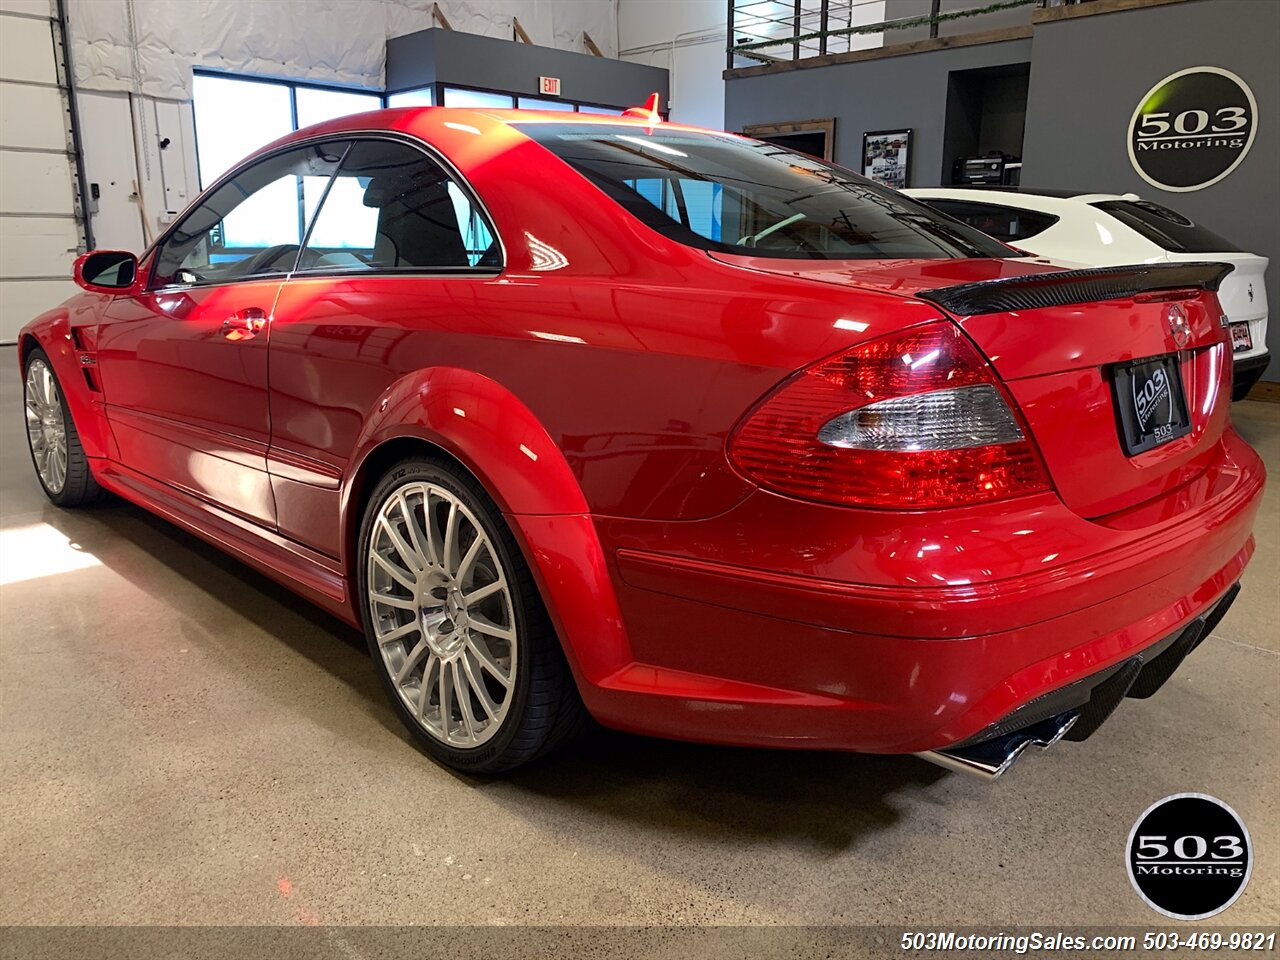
<point x="545" y="710"/>
<point x="79" y="488"/>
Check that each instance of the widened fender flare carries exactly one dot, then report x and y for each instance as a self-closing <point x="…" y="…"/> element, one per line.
<point x="491" y="432"/>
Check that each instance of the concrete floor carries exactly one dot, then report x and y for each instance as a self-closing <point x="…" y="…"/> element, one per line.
<point x="185" y="743"/>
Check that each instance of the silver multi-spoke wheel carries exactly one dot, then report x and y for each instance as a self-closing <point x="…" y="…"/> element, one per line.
<point x="442" y="615"/>
<point x="46" y="426"/>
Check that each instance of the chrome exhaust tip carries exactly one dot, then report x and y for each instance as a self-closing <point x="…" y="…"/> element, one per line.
<point x="991" y="758"/>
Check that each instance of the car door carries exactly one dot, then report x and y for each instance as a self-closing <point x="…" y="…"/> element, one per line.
<point x="388" y="277"/>
<point x="183" y="364"/>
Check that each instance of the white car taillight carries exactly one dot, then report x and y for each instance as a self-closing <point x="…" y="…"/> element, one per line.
<point x="940" y="420"/>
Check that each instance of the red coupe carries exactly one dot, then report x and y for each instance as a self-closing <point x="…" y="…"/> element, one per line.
<point x="687" y="432"/>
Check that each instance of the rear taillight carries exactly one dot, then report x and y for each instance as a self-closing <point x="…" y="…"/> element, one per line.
<point x="916" y="419"/>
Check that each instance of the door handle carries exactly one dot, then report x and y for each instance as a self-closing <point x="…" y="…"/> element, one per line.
<point x="244" y="324"/>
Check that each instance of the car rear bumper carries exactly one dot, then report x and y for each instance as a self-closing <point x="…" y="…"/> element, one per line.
<point x="794" y="654"/>
<point x="1245" y="372"/>
<point x="1077" y="710"/>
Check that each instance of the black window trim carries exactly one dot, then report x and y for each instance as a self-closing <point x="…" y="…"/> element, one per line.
<point x="1054" y="220"/>
<point x="351" y="137"/>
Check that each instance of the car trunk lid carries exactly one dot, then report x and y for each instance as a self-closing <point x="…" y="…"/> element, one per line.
<point x="1121" y="373"/>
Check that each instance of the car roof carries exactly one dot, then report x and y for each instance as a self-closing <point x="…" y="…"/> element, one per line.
<point x="1017" y="196"/>
<point x="1044" y="192"/>
<point x="432" y="124"/>
<point x="401" y="118"/>
<point x="440" y="121"/>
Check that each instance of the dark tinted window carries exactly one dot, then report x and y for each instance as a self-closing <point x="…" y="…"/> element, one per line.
<point x="1164" y="227"/>
<point x="392" y="207"/>
<point x="253" y="224"/>
<point x="1003" y="223"/>
<point x="731" y="194"/>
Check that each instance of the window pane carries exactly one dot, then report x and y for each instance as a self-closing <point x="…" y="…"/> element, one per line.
<point x="533" y="103"/>
<point x="702" y="207"/>
<point x="251" y="225"/>
<point x="455" y="97"/>
<point x="1003" y="223"/>
<point x="607" y="111"/>
<point x="316" y="106"/>
<point x="477" y="239"/>
<point x="235" y="118"/>
<point x="728" y="193"/>
<point x="413" y="98"/>
<point x="1165" y="228"/>
<point x="346" y="224"/>
<point x="394" y="208"/>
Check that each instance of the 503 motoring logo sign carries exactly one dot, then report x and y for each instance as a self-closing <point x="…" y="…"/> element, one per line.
<point x="1189" y="856"/>
<point x="1192" y="129"/>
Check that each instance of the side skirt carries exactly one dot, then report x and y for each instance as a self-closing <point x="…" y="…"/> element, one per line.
<point x="305" y="572"/>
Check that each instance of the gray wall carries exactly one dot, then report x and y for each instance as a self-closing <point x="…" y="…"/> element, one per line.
<point x="894" y="92"/>
<point x="1087" y="76"/>
<point x="470" y="60"/>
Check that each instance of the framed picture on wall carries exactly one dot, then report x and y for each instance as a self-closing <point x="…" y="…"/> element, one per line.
<point x="886" y="157"/>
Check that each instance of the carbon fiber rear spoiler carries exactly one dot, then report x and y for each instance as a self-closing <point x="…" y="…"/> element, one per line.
<point x="1073" y="286"/>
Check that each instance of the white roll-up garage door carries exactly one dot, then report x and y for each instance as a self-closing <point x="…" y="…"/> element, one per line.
<point x="40" y="227"/>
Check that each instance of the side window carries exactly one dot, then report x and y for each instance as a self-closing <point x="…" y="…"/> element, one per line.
<point x="392" y="207"/>
<point x="1003" y="223"/>
<point x="253" y="224"/>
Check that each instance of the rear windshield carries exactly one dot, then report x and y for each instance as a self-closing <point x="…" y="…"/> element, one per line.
<point x="734" y="195"/>
<point x="1168" y="230"/>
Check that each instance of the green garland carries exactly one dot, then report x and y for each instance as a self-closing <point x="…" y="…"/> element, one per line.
<point x="921" y="21"/>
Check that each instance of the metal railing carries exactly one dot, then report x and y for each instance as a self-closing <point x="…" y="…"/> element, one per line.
<point x="770" y="31"/>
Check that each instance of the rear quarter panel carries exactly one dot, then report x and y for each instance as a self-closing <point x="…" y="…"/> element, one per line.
<point x="637" y="385"/>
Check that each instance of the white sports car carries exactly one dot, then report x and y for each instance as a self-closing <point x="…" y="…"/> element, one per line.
<point x="1103" y="229"/>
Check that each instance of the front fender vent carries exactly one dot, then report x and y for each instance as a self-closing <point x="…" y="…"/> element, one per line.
<point x="1073" y="286"/>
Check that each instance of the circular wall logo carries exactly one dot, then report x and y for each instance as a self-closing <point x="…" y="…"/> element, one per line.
<point x="1189" y="856"/>
<point x="1192" y="129"/>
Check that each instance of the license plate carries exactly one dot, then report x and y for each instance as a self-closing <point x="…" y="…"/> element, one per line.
<point x="1151" y="407"/>
<point x="1241" y="338"/>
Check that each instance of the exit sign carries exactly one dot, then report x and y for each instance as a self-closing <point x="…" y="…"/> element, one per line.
<point x="549" y="86"/>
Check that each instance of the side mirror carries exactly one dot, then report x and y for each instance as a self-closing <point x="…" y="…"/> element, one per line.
<point x="106" y="271"/>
